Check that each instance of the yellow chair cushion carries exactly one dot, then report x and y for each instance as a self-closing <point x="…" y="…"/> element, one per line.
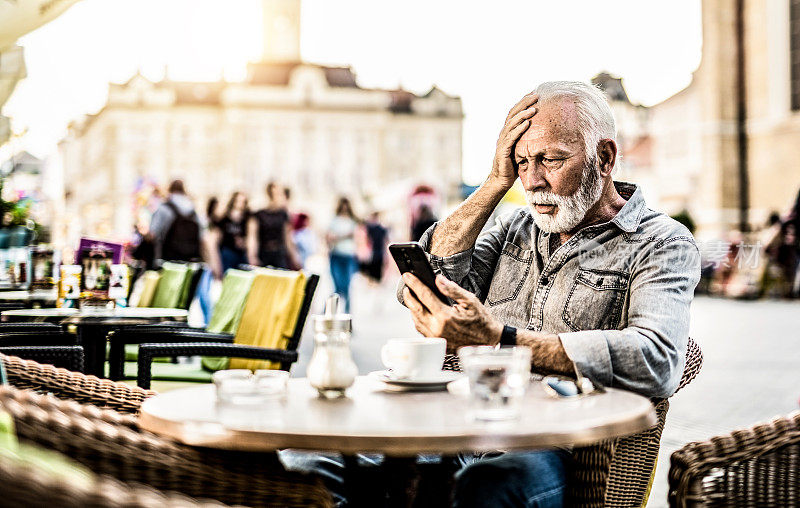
<point x="270" y="314"/>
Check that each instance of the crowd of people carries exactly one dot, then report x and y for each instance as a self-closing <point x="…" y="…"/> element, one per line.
<point x="232" y="234"/>
<point x="762" y="263"/>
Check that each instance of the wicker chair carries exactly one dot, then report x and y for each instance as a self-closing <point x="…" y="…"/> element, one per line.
<point x="66" y="357"/>
<point x="617" y="473"/>
<point x="759" y="466"/>
<point x="112" y="443"/>
<point x="66" y="384"/>
<point x="24" y="487"/>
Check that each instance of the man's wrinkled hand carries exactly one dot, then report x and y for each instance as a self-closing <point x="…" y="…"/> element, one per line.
<point x="465" y="323"/>
<point x="504" y="171"/>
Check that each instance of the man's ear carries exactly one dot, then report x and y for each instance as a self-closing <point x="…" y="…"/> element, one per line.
<point x="606" y="155"/>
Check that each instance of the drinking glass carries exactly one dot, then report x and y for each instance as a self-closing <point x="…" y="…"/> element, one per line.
<point x="498" y="379"/>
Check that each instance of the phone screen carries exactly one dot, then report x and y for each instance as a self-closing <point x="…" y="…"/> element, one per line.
<point x="410" y="257"/>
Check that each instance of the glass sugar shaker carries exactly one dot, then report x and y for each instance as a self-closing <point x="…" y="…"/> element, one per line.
<point x="332" y="369"/>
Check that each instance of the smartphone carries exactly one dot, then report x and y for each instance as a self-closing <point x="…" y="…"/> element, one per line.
<point x="410" y="257"/>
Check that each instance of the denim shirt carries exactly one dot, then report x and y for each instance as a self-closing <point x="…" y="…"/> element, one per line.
<point x="616" y="293"/>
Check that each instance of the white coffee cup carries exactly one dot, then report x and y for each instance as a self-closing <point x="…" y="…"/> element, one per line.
<point x="414" y="358"/>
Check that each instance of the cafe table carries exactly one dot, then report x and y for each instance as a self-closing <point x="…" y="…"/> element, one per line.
<point x="93" y="325"/>
<point x="35" y="298"/>
<point x="399" y="425"/>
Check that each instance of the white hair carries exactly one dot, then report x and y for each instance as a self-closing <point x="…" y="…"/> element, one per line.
<point x="595" y="119"/>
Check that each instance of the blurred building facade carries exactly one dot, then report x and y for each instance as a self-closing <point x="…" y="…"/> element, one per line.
<point x="309" y="126"/>
<point x="698" y="135"/>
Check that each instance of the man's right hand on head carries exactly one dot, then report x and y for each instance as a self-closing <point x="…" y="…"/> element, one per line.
<point x="504" y="171"/>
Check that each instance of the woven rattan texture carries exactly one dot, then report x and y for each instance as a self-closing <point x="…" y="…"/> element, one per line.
<point x="66" y="384"/>
<point x="616" y="473"/>
<point x="109" y="442"/>
<point x="66" y="357"/>
<point x="758" y="466"/>
<point x="24" y="487"/>
<point x="635" y="456"/>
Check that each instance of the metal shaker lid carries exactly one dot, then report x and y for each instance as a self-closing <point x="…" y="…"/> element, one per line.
<point x="331" y="320"/>
<point x="334" y="323"/>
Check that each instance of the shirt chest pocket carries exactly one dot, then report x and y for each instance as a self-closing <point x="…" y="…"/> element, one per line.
<point x="595" y="300"/>
<point x="509" y="276"/>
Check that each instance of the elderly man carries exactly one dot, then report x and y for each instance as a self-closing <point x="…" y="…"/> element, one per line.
<point x="586" y="274"/>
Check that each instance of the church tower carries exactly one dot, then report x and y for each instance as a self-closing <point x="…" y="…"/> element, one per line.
<point x="281" y="25"/>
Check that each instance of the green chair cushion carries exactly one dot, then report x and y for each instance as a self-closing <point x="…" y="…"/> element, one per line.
<point x="184" y="300"/>
<point x="47" y="461"/>
<point x="168" y="292"/>
<point x="228" y="312"/>
<point x="132" y="354"/>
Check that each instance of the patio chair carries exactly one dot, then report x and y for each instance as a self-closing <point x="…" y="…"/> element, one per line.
<point x="74" y="386"/>
<point x="66" y="357"/>
<point x="111" y="443"/>
<point x="758" y="466"/>
<point x="267" y="336"/>
<point x="26" y="485"/>
<point x="619" y="472"/>
<point x="224" y="320"/>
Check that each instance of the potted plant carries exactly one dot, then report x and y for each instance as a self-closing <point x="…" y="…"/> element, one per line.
<point x="16" y="226"/>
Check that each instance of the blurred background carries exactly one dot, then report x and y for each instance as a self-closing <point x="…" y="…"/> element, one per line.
<point x="397" y="107"/>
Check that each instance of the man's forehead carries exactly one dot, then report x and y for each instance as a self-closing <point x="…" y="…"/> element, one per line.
<point x="554" y="122"/>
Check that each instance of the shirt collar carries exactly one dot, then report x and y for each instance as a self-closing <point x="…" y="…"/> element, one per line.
<point x="629" y="216"/>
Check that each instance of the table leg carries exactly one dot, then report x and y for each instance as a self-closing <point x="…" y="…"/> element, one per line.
<point x="402" y="477"/>
<point x="93" y="340"/>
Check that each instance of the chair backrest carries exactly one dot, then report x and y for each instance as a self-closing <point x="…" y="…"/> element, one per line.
<point x="229" y="307"/>
<point x="633" y="463"/>
<point x="65" y="357"/>
<point x="47" y="337"/>
<point x="272" y="313"/>
<point x="174" y="278"/>
<point x="189" y="289"/>
<point x="150" y="280"/>
<point x="756" y="466"/>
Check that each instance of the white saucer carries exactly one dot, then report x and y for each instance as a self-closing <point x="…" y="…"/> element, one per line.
<point x="440" y="379"/>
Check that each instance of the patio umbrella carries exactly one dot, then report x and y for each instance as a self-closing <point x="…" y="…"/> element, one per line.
<point x="18" y="17"/>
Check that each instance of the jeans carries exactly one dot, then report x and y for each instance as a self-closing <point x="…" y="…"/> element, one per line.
<point x="231" y="258"/>
<point x="534" y="479"/>
<point x="204" y="294"/>
<point x="343" y="267"/>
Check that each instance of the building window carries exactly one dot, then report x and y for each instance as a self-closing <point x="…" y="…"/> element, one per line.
<point x="794" y="53"/>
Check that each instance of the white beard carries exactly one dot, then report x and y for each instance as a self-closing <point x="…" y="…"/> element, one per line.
<point x="570" y="210"/>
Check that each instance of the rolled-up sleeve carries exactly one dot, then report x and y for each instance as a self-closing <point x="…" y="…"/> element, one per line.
<point x="648" y="355"/>
<point x="473" y="268"/>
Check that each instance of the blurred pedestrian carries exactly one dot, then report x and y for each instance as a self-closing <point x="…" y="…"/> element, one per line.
<point x="342" y="249"/>
<point x="377" y="237"/>
<point x="232" y="231"/>
<point x="304" y="239"/>
<point x="770" y="237"/>
<point x="269" y="236"/>
<point x="179" y="234"/>
<point x="175" y="228"/>
<point x="425" y="219"/>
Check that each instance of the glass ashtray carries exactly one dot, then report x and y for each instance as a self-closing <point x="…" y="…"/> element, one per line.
<point x="241" y="386"/>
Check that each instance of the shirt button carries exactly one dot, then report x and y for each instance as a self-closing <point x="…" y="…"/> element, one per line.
<point x="545" y="281"/>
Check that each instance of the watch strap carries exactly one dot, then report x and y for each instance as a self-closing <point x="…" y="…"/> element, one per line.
<point x="509" y="336"/>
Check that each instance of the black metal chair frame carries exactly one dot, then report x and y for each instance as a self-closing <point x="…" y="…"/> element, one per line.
<point x="159" y="342"/>
<point x="65" y="357"/>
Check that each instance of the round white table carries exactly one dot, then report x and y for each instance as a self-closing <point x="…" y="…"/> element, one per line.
<point x="395" y="424"/>
<point x="93" y="325"/>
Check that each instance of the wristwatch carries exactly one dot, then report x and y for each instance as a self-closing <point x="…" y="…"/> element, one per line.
<point x="508" y="337"/>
